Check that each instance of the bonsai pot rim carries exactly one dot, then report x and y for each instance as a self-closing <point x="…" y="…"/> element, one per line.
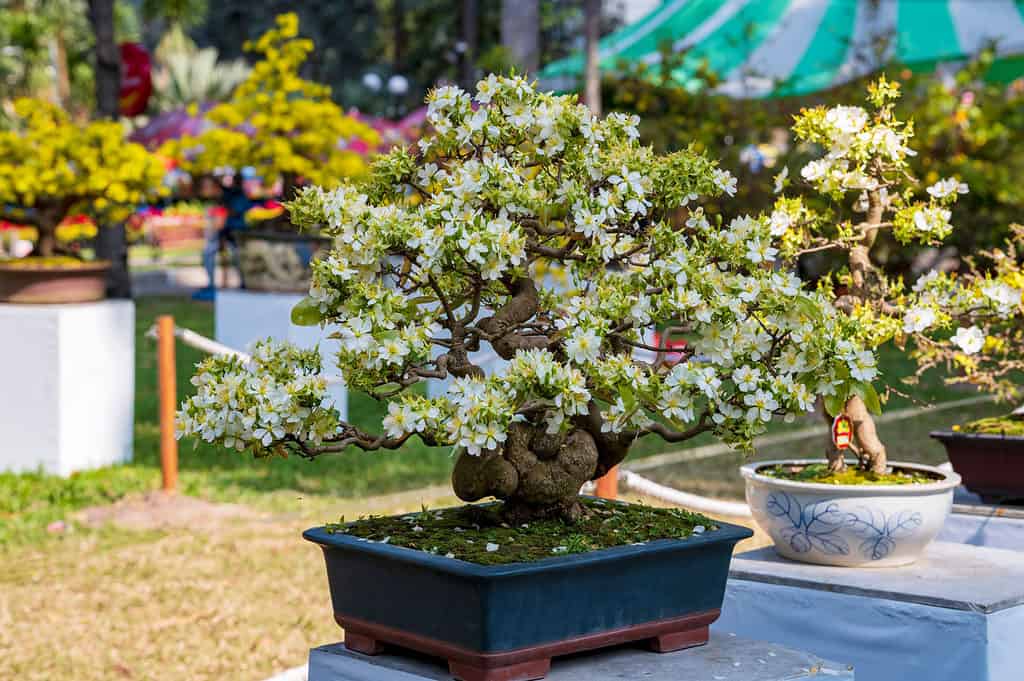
<point x="28" y="283"/>
<point x="85" y="267"/>
<point x="570" y="561"/>
<point x="950" y="480"/>
<point x="942" y="435"/>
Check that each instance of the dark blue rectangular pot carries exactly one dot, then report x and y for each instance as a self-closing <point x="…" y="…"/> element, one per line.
<point x="489" y="617"/>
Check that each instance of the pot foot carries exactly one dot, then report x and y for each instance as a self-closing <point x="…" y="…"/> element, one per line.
<point x="361" y="643"/>
<point x="678" y="640"/>
<point x="521" y="671"/>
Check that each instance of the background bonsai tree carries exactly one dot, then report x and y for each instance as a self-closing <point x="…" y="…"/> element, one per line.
<point x="985" y="308"/>
<point x="282" y="125"/>
<point x="50" y="166"/>
<point x="865" y="172"/>
<point x="435" y="257"/>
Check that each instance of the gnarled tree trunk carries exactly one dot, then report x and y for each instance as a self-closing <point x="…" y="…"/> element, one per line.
<point x="539" y="475"/>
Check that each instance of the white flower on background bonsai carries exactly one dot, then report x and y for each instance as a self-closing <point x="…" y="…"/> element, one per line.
<point x="864" y="169"/>
<point x="436" y="255"/>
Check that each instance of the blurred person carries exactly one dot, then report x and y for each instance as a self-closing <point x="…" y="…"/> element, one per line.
<point x="236" y="202"/>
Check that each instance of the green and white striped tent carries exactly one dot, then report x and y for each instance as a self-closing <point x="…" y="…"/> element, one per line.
<point x="761" y="48"/>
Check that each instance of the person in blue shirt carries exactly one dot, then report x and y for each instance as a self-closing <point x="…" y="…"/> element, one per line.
<point x="236" y="202"/>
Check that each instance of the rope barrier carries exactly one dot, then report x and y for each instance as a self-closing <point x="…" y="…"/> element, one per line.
<point x="212" y="347"/>
<point x="695" y="502"/>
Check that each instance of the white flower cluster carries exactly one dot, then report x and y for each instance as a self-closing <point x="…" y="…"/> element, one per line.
<point x="257" y="403"/>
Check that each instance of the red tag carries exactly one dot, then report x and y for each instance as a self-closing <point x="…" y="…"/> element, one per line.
<point x="842" y="431"/>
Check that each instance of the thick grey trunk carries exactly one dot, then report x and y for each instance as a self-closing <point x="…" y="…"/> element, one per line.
<point x="520" y="32"/>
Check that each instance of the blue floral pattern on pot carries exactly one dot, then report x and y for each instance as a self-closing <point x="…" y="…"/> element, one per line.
<point x="817" y="526"/>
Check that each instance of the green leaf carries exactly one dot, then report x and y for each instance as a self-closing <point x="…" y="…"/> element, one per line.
<point x="867" y="392"/>
<point x="306" y="313"/>
<point x="834" y="404"/>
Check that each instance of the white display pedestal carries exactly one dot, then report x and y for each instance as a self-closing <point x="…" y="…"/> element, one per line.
<point x="243" y="317"/>
<point x="724" y="658"/>
<point x="998" y="527"/>
<point x="956" y="614"/>
<point x="67" y="396"/>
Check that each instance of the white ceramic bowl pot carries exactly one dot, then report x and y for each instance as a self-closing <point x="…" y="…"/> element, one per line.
<point x="849" y="525"/>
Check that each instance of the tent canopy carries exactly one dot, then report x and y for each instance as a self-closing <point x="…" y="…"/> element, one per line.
<point x="762" y="48"/>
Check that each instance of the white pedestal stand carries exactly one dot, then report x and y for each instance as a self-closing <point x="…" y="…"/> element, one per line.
<point x="67" y="396"/>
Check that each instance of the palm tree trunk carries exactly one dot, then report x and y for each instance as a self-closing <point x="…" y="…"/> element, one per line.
<point x="470" y="40"/>
<point x="592" y="75"/>
<point x="520" y="32"/>
<point x="108" y="60"/>
<point x="111" y="243"/>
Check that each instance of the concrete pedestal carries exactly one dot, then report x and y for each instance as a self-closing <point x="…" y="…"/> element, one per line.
<point x="67" y="396"/>
<point x="724" y="658"/>
<point x="956" y="614"/>
<point x="998" y="527"/>
<point x="243" y="317"/>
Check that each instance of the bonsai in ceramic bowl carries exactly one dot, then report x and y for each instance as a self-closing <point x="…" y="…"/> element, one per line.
<point x="50" y="167"/>
<point x="290" y="132"/>
<point x="874" y="512"/>
<point x="435" y="257"/>
<point x="885" y="524"/>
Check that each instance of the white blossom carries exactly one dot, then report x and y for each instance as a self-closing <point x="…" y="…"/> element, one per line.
<point x="970" y="339"/>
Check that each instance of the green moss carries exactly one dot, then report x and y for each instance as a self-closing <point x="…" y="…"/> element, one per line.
<point x="996" y="425"/>
<point x="55" y="262"/>
<point x="819" y="473"/>
<point x="477" y="534"/>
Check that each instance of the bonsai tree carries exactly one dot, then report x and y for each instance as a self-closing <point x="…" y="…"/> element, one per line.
<point x="434" y="258"/>
<point x="986" y="309"/>
<point x="865" y="172"/>
<point x="50" y="166"/>
<point x="284" y="126"/>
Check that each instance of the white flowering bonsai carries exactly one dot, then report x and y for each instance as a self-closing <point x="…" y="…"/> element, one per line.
<point x="437" y="255"/>
<point x="864" y="171"/>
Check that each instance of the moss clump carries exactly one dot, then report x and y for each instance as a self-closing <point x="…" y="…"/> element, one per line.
<point x="819" y="473"/>
<point x="478" y="534"/>
<point x="54" y="262"/>
<point x="996" y="425"/>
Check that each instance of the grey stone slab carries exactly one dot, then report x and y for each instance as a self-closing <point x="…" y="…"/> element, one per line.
<point x="953" y="576"/>
<point x="989" y="511"/>
<point x="724" y="658"/>
<point x="997" y="527"/>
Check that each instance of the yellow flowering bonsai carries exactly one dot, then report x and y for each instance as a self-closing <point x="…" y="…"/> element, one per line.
<point x="286" y="127"/>
<point x="50" y="165"/>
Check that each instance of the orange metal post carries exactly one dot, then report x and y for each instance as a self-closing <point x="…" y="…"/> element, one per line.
<point x="168" y="401"/>
<point x="608" y="485"/>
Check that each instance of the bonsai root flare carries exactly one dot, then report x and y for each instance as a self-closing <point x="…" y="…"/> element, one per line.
<point x="538" y="475"/>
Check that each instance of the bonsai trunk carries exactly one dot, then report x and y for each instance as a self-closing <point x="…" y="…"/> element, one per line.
<point x="49" y="216"/>
<point x="867" y="446"/>
<point x="537" y="475"/>
<point x="47" y="240"/>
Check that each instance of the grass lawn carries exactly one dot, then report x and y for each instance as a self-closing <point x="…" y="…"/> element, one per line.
<point x="29" y="502"/>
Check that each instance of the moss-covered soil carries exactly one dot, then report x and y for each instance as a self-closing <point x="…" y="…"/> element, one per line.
<point x="819" y="473"/>
<point x="996" y="425"/>
<point x="478" y="534"/>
